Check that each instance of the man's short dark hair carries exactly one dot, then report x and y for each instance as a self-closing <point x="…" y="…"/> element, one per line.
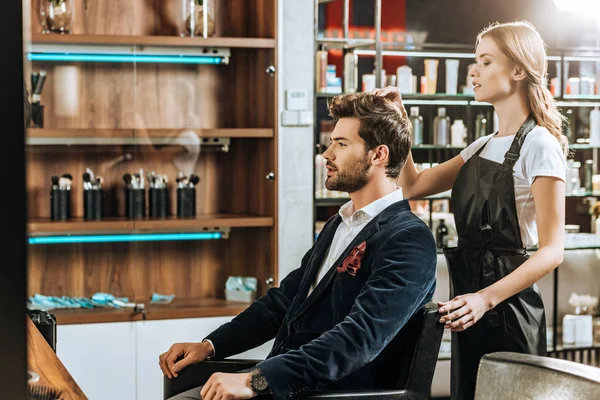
<point x="381" y="123"/>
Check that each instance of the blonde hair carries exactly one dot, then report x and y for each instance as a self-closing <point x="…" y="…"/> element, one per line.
<point x="523" y="45"/>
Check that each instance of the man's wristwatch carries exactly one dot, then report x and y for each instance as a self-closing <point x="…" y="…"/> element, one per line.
<point x="258" y="382"/>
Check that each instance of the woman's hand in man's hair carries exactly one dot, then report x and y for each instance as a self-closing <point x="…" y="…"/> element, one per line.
<point x="393" y="94"/>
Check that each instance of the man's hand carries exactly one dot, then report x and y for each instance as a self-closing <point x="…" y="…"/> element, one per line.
<point x="392" y="93"/>
<point x="192" y="353"/>
<point x="228" y="387"/>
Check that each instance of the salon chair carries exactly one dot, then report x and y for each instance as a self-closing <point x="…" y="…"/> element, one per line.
<point x="506" y="375"/>
<point x="417" y="345"/>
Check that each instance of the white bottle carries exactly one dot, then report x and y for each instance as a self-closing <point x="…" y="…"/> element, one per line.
<point x="569" y="329"/>
<point x="441" y="128"/>
<point x="457" y="133"/>
<point x="319" y="165"/>
<point x="595" y="127"/>
<point x="404" y="79"/>
<point x="584" y="332"/>
<point x="368" y="83"/>
<point x="350" y="72"/>
<point x="452" y="76"/>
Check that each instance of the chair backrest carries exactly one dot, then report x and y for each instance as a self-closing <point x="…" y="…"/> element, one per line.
<point x="505" y="375"/>
<point x="412" y="355"/>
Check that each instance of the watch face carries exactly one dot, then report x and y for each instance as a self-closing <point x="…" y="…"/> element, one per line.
<point x="259" y="382"/>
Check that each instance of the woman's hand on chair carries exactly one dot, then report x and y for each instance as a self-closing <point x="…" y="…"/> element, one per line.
<point x="462" y="312"/>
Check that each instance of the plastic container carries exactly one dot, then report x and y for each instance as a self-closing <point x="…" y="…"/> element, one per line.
<point x="481" y="126"/>
<point x="452" y="76"/>
<point x="441" y="128"/>
<point x="321" y="70"/>
<point x="417" y="124"/>
<point x="458" y="133"/>
<point x="404" y="79"/>
<point x="568" y="328"/>
<point x="186" y="202"/>
<point x="158" y="202"/>
<point x="60" y="205"/>
<point x="135" y="203"/>
<point x="368" y="83"/>
<point x="431" y="70"/>
<point x="595" y="127"/>
<point x="245" y="296"/>
<point x="350" y="73"/>
<point x="93" y="204"/>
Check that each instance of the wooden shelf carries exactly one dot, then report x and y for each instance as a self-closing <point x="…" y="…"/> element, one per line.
<point x="203" y="221"/>
<point x="139" y="136"/>
<point x="180" y="308"/>
<point x="46" y="227"/>
<point x="172" y="41"/>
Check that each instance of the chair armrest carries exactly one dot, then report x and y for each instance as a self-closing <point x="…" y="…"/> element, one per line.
<point x="366" y="395"/>
<point x="197" y="374"/>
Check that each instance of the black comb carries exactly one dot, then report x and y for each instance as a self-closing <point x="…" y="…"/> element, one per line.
<point x="39" y="392"/>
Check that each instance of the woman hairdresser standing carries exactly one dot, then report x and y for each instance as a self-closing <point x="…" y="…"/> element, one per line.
<point x="508" y="193"/>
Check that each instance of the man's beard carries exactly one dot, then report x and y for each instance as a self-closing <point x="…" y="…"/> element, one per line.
<point x="352" y="179"/>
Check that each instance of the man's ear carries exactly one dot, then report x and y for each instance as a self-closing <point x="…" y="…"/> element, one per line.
<point x="519" y="74"/>
<point x="380" y="155"/>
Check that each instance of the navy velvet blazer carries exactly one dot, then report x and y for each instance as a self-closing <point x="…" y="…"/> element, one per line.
<point x="337" y="337"/>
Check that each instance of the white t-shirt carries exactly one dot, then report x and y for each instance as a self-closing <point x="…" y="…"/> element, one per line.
<point x="541" y="155"/>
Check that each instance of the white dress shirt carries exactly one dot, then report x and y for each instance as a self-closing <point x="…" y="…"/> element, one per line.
<point x="352" y="223"/>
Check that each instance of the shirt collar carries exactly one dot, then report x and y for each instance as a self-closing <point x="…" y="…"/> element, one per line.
<point x="371" y="210"/>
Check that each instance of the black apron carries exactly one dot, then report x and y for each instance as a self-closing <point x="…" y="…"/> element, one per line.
<point x="489" y="248"/>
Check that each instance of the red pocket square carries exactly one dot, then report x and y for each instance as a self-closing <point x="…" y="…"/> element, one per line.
<point x="352" y="263"/>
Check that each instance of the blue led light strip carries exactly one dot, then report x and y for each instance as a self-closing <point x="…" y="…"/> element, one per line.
<point x="124" y="58"/>
<point x="125" y="238"/>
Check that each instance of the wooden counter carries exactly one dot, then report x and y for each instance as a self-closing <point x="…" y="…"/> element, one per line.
<point x="44" y="362"/>
<point x="179" y="308"/>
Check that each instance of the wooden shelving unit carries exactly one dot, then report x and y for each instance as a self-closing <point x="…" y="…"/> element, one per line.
<point x="127" y="116"/>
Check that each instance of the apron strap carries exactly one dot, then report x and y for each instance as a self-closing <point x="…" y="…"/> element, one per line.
<point x="512" y="155"/>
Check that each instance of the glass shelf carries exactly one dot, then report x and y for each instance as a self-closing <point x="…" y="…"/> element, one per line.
<point x="348" y="43"/>
<point x="436" y="147"/>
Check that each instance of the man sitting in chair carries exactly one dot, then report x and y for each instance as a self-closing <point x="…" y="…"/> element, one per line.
<point x="370" y="270"/>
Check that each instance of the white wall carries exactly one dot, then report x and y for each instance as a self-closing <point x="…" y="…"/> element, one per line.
<point x="296" y="71"/>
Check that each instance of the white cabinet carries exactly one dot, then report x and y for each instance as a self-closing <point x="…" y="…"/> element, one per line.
<point x="155" y="337"/>
<point x="101" y="358"/>
<point x="119" y="361"/>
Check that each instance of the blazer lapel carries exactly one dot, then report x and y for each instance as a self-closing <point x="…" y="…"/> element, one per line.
<point x="373" y="226"/>
<point x="316" y="259"/>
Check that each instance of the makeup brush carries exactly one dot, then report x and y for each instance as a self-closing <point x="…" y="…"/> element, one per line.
<point x="64" y="183"/>
<point x="127" y="179"/>
<point x="87" y="185"/>
<point x="92" y="177"/>
<point x="194" y="179"/>
<point x="40" y="83"/>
